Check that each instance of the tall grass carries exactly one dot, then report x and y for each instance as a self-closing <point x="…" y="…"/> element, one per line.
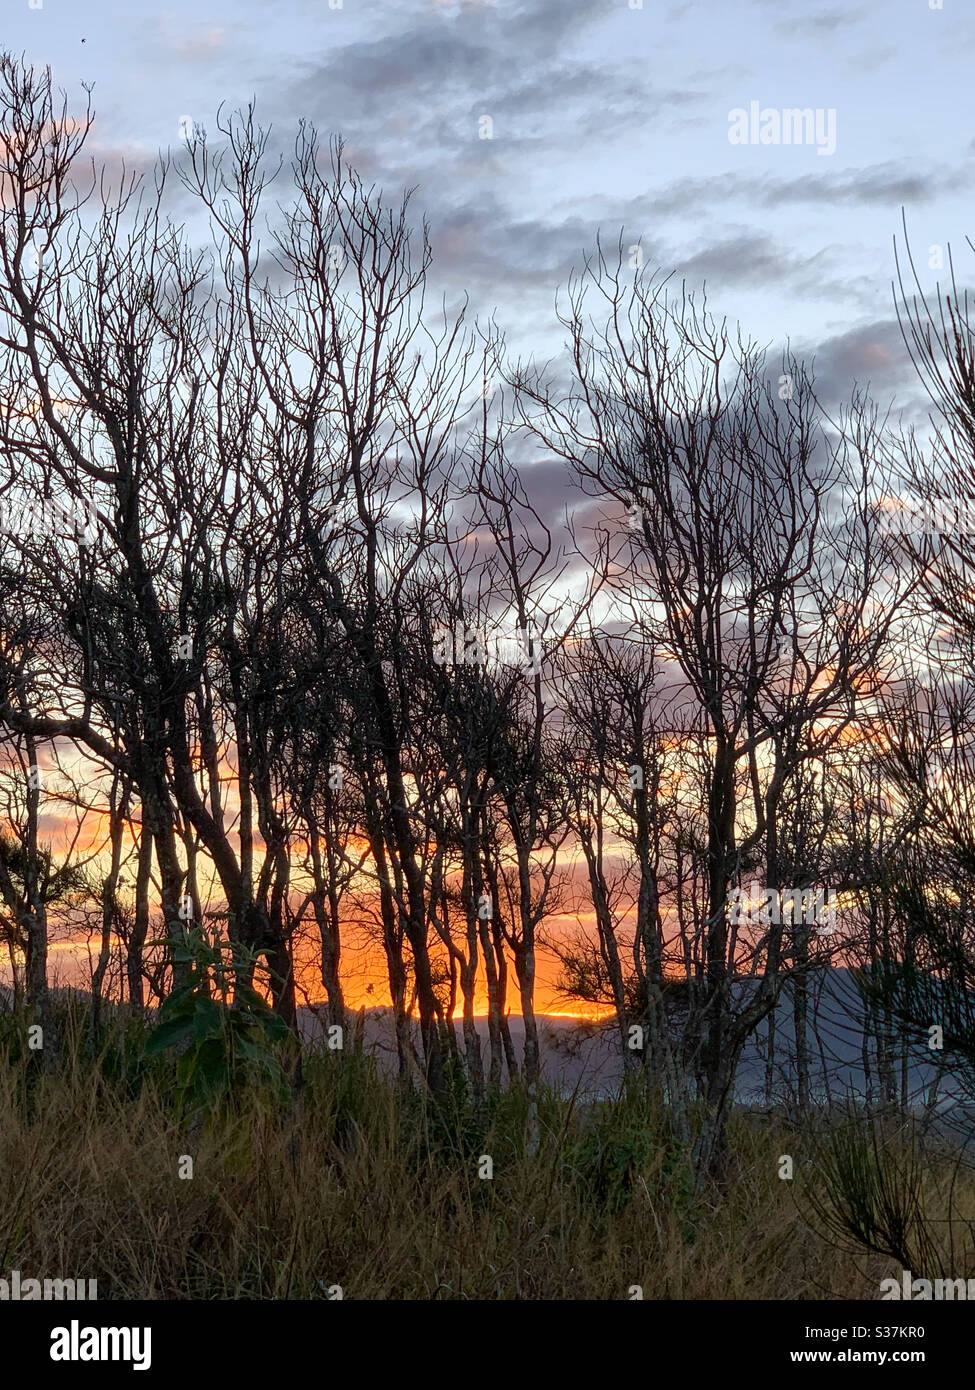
<point x="360" y="1184"/>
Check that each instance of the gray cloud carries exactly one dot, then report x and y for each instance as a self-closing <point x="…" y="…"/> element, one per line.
<point x="877" y="185"/>
<point x="871" y="354"/>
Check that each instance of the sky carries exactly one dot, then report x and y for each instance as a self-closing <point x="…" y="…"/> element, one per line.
<point x="529" y="127"/>
<point x="602" y="115"/>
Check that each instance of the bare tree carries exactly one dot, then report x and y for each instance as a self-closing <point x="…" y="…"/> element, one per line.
<point x="752" y="563"/>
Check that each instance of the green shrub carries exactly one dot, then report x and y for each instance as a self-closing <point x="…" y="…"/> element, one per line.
<point x="224" y="1044"/>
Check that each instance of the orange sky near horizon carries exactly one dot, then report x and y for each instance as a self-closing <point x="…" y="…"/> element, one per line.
<point x="81" y="836"/>
<point x="364" y="979"/>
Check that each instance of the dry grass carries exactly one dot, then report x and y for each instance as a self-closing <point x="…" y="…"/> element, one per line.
<point x="358" y="1185"/>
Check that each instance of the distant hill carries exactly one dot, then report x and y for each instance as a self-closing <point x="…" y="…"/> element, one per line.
<point x="579" y="1055"/>
<point x="582" y="1056"/>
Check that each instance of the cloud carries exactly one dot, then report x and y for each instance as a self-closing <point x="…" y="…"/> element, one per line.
<point x="871" y="354"/>
<point x="878" y="185"/>
<point x="754" y="260"/>
<point x="436" y="55"/>
<point x="416" y="92"/>
<point x="480" y="244"/>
